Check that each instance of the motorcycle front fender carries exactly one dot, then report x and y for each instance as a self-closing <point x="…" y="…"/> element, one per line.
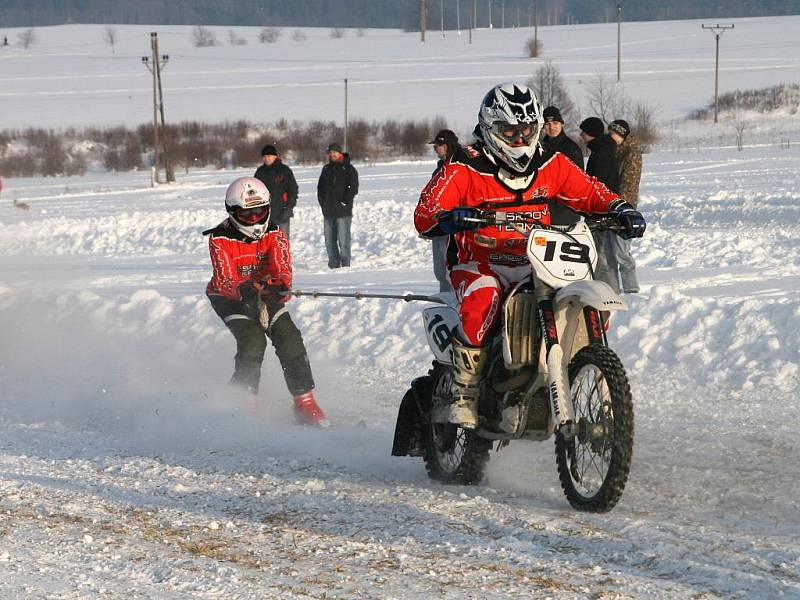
<point x="597" y="294"/>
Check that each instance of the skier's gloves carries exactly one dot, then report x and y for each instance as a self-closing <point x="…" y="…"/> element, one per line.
<point x="452" y="221"/>
<point x="274" y="290"/>
<point x="248" y="291"/>
<point x="631" y="220"/>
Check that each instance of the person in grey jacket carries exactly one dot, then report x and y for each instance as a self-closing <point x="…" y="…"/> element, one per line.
<point x="336" y="189"/>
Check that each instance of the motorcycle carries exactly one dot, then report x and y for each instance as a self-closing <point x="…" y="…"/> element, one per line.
<point x="550" y="373"/>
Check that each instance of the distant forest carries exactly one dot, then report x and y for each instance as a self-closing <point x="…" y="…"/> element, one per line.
<point x="400" y="14"/>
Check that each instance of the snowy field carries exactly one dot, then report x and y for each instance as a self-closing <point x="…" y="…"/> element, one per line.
<point x="127" y="470"/>
<point x="667" y="65"/>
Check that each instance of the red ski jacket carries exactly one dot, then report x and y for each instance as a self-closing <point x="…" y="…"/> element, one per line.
<point x="237" y="259"/>
<point x="471" y="178"/>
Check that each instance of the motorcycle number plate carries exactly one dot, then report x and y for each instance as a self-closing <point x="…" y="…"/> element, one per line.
<point x="440" y="324"/>
<point x="559" y="260"/>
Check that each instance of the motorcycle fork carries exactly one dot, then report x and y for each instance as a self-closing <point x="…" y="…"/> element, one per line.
<point x="561" y="409"/>
<point x="595" y="326"/>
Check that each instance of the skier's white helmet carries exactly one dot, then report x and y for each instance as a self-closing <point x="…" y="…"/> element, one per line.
<point x="510" y="121"/>
<point x="247" y="202"/>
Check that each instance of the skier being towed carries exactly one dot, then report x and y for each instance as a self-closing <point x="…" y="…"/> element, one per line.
<point x="252" y="262"/>
<point x="505" y="169"/>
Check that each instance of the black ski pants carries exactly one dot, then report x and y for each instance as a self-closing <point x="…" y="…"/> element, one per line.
<point x="241" y="318"/>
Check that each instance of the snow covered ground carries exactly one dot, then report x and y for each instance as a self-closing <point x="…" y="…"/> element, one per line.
<point x="128" y="470"/>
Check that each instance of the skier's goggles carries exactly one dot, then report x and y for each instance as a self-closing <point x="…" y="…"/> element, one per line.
<point x="250" y="216"/>
<point x="511" y="133"/>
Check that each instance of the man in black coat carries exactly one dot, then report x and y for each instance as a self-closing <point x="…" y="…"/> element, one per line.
<point x="336" y="189"/>
<point x="602" y="164"/>
<point x="602" y="161"/>
<point x="282" y="187"/>
<point x="557" y="141"/>
<point x="445" y="144"/>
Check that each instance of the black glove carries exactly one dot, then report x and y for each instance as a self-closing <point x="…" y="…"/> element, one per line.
<point x="248" y="291"/>
<point x="631" y="220"/>
<point x="274" y="290"/>
<point x="452" y="221"/>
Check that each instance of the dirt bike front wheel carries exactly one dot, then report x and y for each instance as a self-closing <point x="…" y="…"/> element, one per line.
<point x="452" y="454"/>
<point x="593" y="466"/>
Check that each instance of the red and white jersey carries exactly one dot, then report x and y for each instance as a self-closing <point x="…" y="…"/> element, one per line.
<point x="471" y="178"/>
<point x="237" y="258"/>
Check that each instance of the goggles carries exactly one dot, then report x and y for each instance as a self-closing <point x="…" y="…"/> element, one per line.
<point x="527" y="132"/>
<point x="250" y="216"/>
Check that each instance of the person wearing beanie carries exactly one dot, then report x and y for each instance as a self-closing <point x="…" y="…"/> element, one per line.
<point x="628" y="154"/>
<point x="556" y="140"/>
<point x="336" y="189"/>
<point x="445" y="145"/>
<point x="602" y="164"/>
<point x="281" y="184"/>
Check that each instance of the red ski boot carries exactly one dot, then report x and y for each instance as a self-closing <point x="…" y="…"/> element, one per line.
<point x="307" y="412"/>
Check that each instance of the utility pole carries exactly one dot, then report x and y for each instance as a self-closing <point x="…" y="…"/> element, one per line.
<point x="153" y="64"/>
<point x="490" y="14"/>
<point x="474" y="14"/>
<point x="344" y="145"/>
<point x="162" y="60"/>
<point x="619" y="41"/>
<point x="536" y="27"/>
<point x="471" y="22"/>
<point x="423" y="9"/>
<point x="717" y="30"/>
<point x="458" y="17"/>
<point x="441" y="15"/>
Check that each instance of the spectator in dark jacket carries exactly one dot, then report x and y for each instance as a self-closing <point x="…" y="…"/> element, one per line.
<point x="557" y="141"/>
<point x="602" y="164"/>
<point x="336" y="190"/>
<point x="282" y="187"/>
<point x="445" y="144"/>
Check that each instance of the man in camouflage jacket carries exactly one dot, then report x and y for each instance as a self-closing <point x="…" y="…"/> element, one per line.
<point x="629" y="162"/>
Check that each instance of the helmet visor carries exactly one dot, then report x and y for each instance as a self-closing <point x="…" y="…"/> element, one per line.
<point x="250" y="216"/>
<point x="511" y="134"/>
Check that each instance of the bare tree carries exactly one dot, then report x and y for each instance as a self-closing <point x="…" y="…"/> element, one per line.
<point x="298" y="35"/>
<point x="270" y="35"/>
<point x="110" y="37"/>
<point x="533" y="47"/>
<point x="644" y="124"/>
<point x="338" y="32"/>
<point x="234" y="39"/>
<point x="606" y="99"/>
<point x="739" y="126"/>
<point x="203" y="37"/>
<point x="550" y="89"/>
<point x="26" y="38"/>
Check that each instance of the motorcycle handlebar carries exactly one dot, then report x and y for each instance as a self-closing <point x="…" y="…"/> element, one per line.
<point x="595" y="222"/>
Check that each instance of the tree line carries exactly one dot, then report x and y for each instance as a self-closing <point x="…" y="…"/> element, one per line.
<point x="400" y="14"/>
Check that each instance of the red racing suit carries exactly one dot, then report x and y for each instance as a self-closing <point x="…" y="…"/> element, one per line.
<point x="237" y="259"/>
<point x="493" y="258"/>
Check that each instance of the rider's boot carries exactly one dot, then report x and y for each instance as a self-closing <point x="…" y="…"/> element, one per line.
<point x="308" y="412"/>
<point x="469" y="363"/>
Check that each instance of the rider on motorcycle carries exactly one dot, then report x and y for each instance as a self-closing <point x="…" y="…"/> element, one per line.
<point x="505" y="169"/>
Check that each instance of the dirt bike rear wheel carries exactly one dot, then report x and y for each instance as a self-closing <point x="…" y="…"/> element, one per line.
<point x="593" y="466"/>
<point x="453" y="454"/>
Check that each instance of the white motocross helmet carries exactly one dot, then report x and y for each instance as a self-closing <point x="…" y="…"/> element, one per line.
<point x="247" y="202"/>
<point x="510" y="121"/>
